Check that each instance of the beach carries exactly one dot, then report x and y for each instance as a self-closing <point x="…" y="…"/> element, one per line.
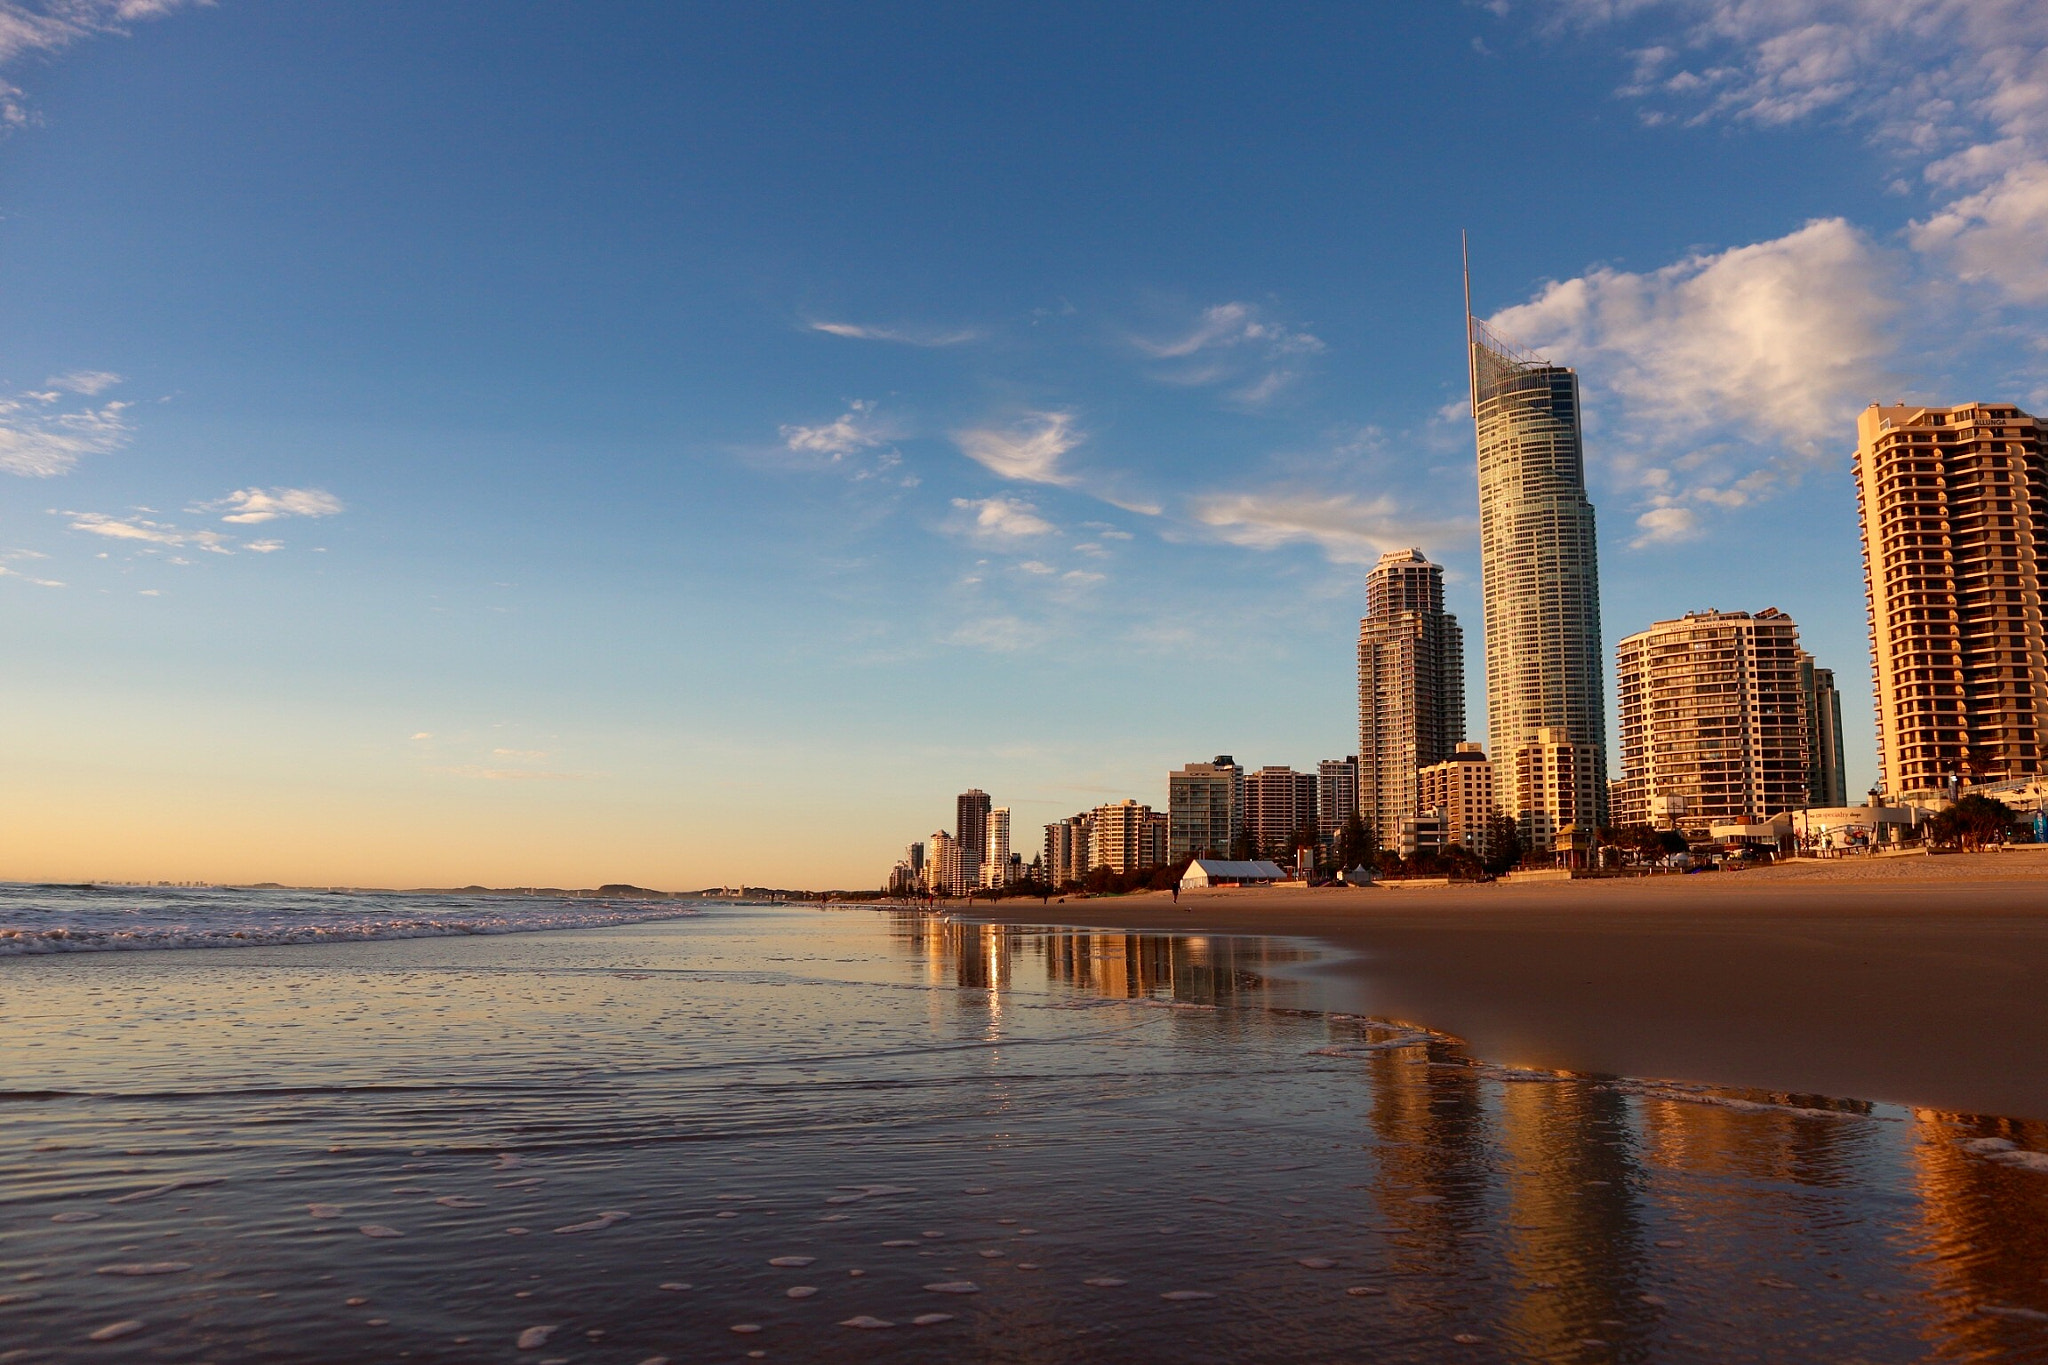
<point x="798" y="1134"/>
<point x="1920" y="981"/>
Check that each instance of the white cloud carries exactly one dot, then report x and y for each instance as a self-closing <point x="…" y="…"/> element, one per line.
<point x="47" y="26"/>
<point x="42" y="436"/>
<point x="150" y="533"/>
<point x="87" y="382"/>
<point x="1003" y="518"/>
<point x="1784" y="338"/>
<point x="907" y="336"/>
<point x="264" y="547"/>
<point x="248" y="506"/>
<point x="1959" y="87"/>
<point x="1348" y="530"/>
<point x="1997" y="236"/>
<point x="997" y="634"/>
<point x="852" y="431"/>
<point x="1233" y="344"/>
<point x="1664" y="525"/>
<point x="1230" y="325"/>
<point x="1029" y="452"/>
<point x="1034" y="566"/>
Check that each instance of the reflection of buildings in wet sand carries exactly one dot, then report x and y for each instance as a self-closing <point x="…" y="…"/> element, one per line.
<point x="1553" y="1158"/>
<point x="1195" y="969"/>
<point x="1574" y="1233"/>
<point x="1985" y="1231"/>
<point x="976" y="956"/>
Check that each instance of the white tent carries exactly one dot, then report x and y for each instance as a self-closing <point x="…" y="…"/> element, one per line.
<point x="1217" y="872"/>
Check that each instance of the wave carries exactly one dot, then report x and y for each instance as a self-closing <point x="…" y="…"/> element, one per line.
<point x="20" y="941"/>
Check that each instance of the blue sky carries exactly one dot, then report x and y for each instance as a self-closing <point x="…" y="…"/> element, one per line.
<point x="688" y="443"/>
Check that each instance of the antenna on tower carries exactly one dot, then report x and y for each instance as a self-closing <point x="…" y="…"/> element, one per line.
<point x="1471" y="361"/>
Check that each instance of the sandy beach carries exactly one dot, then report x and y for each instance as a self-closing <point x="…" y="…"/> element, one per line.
<point x="1916" y="980"/>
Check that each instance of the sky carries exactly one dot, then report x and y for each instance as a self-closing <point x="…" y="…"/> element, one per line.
<point x="686" y="444"/>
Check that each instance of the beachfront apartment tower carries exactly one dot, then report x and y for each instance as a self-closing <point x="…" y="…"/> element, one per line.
<point x="1205" y="809"/>
<point x="1713" y="721"/>
<point x="1954" y="504"/>
<point x="1540" y="580"/>
<point x="1336" y="794"/>
<point x="1827" y="769"/>
<point x="1411" y="687"/>
<point x="995" y="870"/>
<point x="1460" y="791"/>
<point x="1126" y="837"/>
<point x="1279" y="803"/>
<point x="1067" y="849"/>
<point x="970" y="828"/>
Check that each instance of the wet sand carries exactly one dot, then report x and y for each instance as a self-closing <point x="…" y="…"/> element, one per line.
<point x="1914" y="980"/>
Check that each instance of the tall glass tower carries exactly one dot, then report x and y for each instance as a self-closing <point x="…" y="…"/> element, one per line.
<point x="1545" y="708"/>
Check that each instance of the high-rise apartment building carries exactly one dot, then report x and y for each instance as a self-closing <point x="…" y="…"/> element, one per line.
<point x="1411" y="687"/>
<point x="995" y="870"/>
<point x="1279" y="803"/>
<point x="1068" y="850"/>
<point x="1336" y="794"/>
<point x="1460" y="791"/>
<point x="1954" y="503"/>
<point x="1540" y="576"/>
<point x="1205" y="809"/>
<point x="1555" y="777"/>
<point x="1827" y="771"/>
<point x="970" y="828"/>
<point x="943" y="875"/>
<point x="1713" y="720"/>
<point x="1126" y="837"/>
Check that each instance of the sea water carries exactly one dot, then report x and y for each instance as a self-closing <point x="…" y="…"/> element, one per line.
<point x="793" y="1134"/>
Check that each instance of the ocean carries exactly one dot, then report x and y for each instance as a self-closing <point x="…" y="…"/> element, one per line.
<point x="442" y="1129"/>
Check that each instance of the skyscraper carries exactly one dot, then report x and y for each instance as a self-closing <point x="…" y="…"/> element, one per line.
<point x="971" y="829"/>
<point x="1827" y="777"/>
<point x="995" y="871"/>
<point x="1954" y="504"/>
<point x="1713" y="721"/>
<point x="1411" y="687"/>
<point x="1540" y="576"/>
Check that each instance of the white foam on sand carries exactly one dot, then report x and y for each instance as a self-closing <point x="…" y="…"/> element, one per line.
<point x="36" y="920"/>
<point x="2006" y="1153"/>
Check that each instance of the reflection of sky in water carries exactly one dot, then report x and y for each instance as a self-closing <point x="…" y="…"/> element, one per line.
<point x="1158" y="1114"/>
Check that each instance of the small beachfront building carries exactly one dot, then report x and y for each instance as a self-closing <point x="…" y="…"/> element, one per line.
<point x="1205" y="872"/>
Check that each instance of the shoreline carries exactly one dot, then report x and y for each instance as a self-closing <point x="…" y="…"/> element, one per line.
<point x="1921" y="982"/>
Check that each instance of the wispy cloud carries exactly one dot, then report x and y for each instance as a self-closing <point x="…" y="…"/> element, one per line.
<point x="906" y="336"/>
<point x="140" y="530"/>
<point x="249" y="506"/>
<point x="44" y="434"/>
<point x="852" y="431"/>
<point x="1234" y="345"/>
<point x="48" y="26"/>
<point x="1348" y="530"/>
<point x="856" y="445"/>
<point x="1029" y="451"/>
<point x="1002" y="518"/>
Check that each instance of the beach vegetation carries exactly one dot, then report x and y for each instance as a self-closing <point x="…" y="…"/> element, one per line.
<point x="1973" y="822"/>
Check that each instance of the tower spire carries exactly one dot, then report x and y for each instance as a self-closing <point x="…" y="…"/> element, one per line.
<point x="1471" y="361"/>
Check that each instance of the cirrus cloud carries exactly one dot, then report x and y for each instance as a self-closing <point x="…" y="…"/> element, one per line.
<point x="250" y="506"/>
